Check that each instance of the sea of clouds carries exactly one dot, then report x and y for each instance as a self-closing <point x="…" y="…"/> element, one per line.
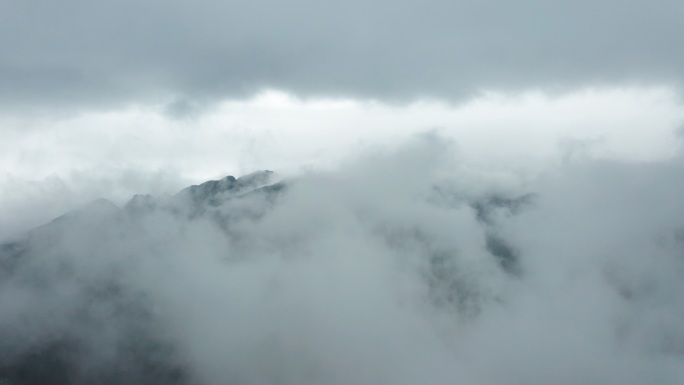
<point x="401" y="266"/>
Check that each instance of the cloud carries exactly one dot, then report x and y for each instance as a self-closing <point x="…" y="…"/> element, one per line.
<point x="61" y="164"/>
<point x="379" y="271"/>
<point x="275" y="130"/>
<point x="115" y="53"/>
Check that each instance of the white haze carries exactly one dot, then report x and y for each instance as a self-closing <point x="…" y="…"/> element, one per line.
<point x="378" y="271"/>
<point x="51" y="165"/>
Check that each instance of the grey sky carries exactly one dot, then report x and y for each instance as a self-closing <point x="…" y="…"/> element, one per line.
<point x="107" y="53"/>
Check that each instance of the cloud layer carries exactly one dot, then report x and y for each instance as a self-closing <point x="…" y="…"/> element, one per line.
<point x="61" y="164"/>
<point x="401" y="266"/>
<point x="117" y="52"/>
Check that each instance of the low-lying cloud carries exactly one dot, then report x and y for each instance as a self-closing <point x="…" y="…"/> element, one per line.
<point x="402" y="266"/>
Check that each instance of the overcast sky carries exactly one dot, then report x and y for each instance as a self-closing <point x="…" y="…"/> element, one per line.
<point x="78" y="53"/>
<point x="189" y="91"/>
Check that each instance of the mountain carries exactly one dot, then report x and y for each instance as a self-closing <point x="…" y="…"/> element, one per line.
<point x="96" y="296"/>
<point x="71" y="287"/>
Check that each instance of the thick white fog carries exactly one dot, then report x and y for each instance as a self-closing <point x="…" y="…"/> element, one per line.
<point x="402" y="265"/>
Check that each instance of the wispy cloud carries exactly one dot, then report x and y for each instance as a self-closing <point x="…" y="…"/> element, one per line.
<point x="379" y="271"/>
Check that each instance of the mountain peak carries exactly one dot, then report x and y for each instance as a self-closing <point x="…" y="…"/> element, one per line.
<point x="229" y="185"/>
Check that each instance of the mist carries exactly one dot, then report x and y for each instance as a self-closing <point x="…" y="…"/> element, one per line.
<point x="402" y="265"/>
